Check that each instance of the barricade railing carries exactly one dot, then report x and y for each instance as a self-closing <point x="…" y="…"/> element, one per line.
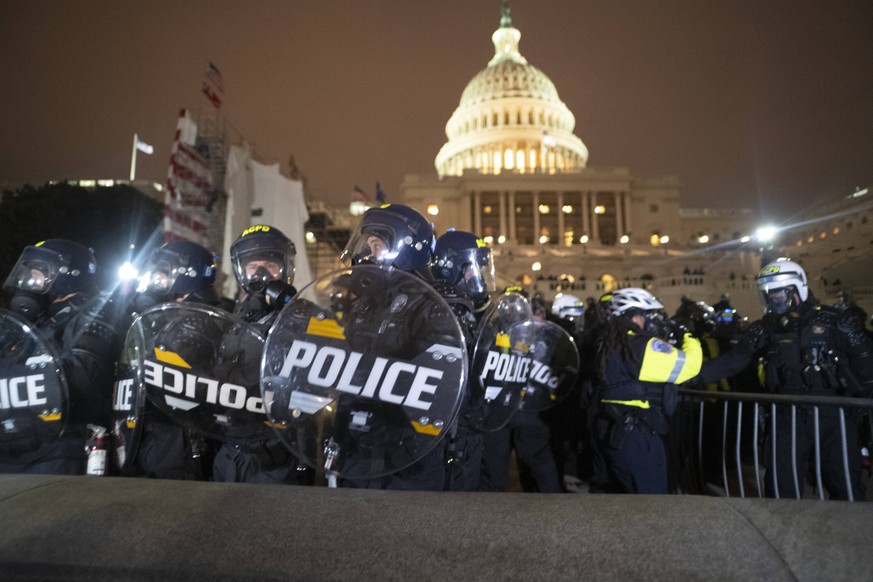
<point x="728" y="439"/>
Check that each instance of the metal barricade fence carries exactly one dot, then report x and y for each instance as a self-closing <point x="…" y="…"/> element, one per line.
<point x="721" y="442"/>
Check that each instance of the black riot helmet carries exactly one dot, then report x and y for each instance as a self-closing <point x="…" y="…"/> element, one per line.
<point x="697" y="316"/>
<point x="47" y="271"/>
<point x="177" y="269"/>
<point x="463" y="259"/>
<point x="260" y="255"/>
<point x="391" y="235"/>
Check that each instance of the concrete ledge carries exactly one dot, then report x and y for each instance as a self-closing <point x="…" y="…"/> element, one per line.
<point x="81" y="528"/>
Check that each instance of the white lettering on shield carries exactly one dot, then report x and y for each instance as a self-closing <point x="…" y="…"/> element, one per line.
<point x="329" y="366"/>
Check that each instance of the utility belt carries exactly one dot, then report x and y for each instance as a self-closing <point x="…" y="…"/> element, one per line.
<point x="642" y="396"/>
<point x="29" y="443"/>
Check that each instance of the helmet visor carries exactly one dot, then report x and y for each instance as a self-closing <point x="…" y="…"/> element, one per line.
<point x="36" y="271"/>
<point x="476" y="272"/>
<point x="258" y="267"/>
<point x="375" y="246"/>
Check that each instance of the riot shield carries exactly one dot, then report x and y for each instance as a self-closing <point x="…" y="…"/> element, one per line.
<point x="502" y="360"/>
<point x="554" y="368"/>
<point x="128" y="402"/>
<point x="33" y="388"/>
<point x="363" y="372"/>
<point x="200" y="366"/>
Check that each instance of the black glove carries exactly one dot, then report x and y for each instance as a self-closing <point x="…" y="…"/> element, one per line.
<point x="754" y="338"/>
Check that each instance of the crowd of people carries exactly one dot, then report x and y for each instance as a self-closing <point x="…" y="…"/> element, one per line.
<point x="603" y="433"/>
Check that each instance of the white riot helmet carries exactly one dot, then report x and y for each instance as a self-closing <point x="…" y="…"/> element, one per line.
<point x="780" y="275"/>
<point x="568" y="307"/>
<point x="625" y="300"/>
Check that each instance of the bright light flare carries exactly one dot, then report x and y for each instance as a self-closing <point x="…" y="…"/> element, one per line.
<point x="127" y="272"/>
<point x="766" y="233"/>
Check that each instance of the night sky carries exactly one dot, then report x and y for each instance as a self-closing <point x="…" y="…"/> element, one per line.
<point x="765" y="104"/>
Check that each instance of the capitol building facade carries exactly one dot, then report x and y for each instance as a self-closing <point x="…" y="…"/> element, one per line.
<point x="513" y="172"/>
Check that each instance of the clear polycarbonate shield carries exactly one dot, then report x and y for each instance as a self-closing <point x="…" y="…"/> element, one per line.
<point x="200" y="366"/>
<point x="554" y="368"/>
<point x="502" y="360"/>
<point x="363" y="372"/>
<point x="128" y="402"/>
<point x="33" y="388"/>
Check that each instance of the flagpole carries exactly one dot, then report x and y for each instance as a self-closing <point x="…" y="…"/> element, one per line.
<point x="133" y="159"/>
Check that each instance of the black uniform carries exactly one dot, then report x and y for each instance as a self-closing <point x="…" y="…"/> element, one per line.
<point x="83" y="330"/>
<point x="813" y="351"/>
<point x="636" y="394"/>
<point x="244" y="456"/>
<point x="396" y="320"/>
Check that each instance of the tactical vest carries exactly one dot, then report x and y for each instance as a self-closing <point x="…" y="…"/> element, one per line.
<point x="800" y="353"/>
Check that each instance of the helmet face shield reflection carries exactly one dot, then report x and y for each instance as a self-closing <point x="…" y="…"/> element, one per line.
<point x="779" y="300"/>
<point x="371" y="247"/>
<point x="35" y="272"/>
<point x="33" y="276"/>
<point x="476" y="274"/>
<point x="258" y="267"/>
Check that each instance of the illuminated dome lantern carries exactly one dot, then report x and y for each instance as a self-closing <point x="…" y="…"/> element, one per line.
<point x="510" y="118"/>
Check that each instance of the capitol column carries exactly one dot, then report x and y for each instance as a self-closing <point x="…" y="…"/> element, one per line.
<point x="586" y="217"/>
<point x="595" y="229"/>
<point x="627" y="212"/>
<point x="477" y="213"/>
<point x="535" y="202"/>
<point x="511" y="236"/>
<point x="619" y="210"/>
<point x="502" y="210"/>
<point x="560" y="211"/>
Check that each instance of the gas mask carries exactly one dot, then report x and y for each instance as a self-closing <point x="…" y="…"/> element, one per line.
<point x="29" y="305"/>
<point x="780" y="301"/>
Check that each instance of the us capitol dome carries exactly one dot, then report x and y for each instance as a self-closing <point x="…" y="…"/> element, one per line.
<point x="510" y="118"/>
<point x="513" y="172"/>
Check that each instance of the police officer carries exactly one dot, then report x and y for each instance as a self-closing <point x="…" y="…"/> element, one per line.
<point x="807" y="349"/>
<point x="54" y="287"/>
<point x="530" y="436"/>
<point x="567" y="419"/>
<point x="464" y="268"/>
<point x="180" y="271"/>
<point x="638" y="371"/>
<point x="263" y="264"/>
<point x="394" y="320"/>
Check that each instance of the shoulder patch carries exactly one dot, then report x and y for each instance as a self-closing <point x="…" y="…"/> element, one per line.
<point x="661" y="346"/>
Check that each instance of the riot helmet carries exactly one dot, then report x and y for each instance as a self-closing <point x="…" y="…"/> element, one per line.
<point x="262" y="254"/>
<point x="47" y="271"/>
<point x="783" y="286"/>
<point x="566" y="306"/>
<point x="391" y="235"/>
<point x="696" y="316"/>
<point x="178" y="269"/>
<point x="632" y="301"/>
<point x="463" y="259"/>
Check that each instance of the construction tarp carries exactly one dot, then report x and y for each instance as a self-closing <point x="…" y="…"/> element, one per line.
<point x="258" y="194"/>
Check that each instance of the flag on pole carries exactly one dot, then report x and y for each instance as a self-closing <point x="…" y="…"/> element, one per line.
<point x="358" y="195"/>
<point x="211" y="95"/>
<point x="380" y="195"/>
<point x="144" y="147"/>
<point x="214" y="75"/>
